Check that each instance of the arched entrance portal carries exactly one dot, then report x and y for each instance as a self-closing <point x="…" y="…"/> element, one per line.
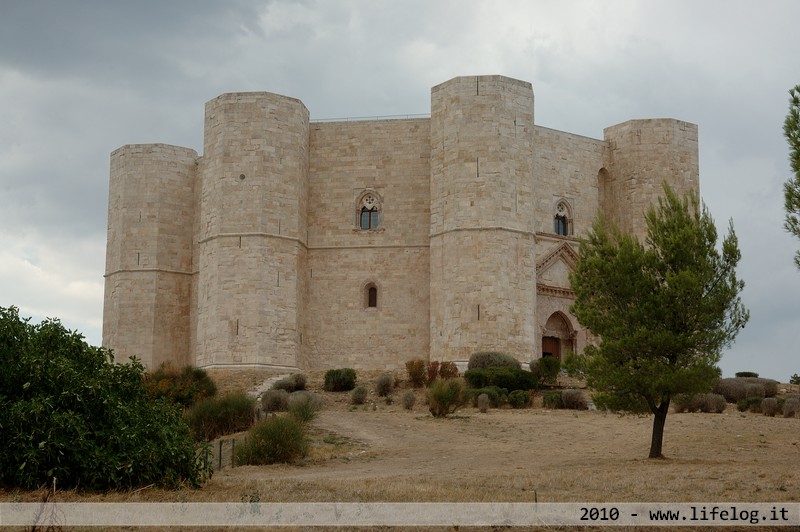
<point x="558" y="337"/>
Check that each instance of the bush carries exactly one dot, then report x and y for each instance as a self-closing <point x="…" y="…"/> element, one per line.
<point x="217" y="416"/>
<point x="67" y="410"/>
<point x="416" y="372"/>
<point x="432" y="372"/>
<point x="770" y="386"/>
<point x="574" y="400"/>
<point x="278" y="439"/>
<point x="384" y="385"/>
<point x="409" y="398"/>
<point x="509" y="378"/>
<point x="769" y="406"/>
<point x="741" y="374"/>
<point x="275" y="400"/>
<point x="448" y="370"/>
<point x="752" y="404"/>
<point x="292" y="383"/>
<point x="182" y="387"/>
<point x="445" y="397"/>
<point x="712" y="403"/>
<point x="754" y="390"/>
<point x="685" y="403"/>
<point x="497" y="396"/>
<point x="359" y="395"/>
<point x="733" y="390"/>
<point x="303" y="406"/>
<point x="492" y="359"/>
<point x="552" y="400"/>
<point x="791" y="407"/>
<point x="794" y="379"/>
<point x="519" y="399"/>
<point x="545" y="370"/>
<point x="340" y="380"/>
<point x="483" y="403"/>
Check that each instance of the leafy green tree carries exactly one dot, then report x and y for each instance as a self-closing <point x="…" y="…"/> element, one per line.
<point x="663" y="310"/>
<point x="68" y="411"/>
<point x="791" y="189"/>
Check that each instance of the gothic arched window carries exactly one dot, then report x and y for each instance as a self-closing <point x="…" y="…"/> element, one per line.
<point x="562" y="221"/>
<point x="368" y="210"/>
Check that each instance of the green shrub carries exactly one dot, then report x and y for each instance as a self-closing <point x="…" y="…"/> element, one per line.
<point x="275" y="400"/>
<point x="340" y="380"/>
<point x="794" y="379"/>
<point x="68" y="411"/>
<point x="574" y="400"/>
<point x="791" y="407"/>
<point x="416" y="372"/>
<point x="445" y="397"/>
<point x="217" y="416"/>
<point x="752" y="404"/>
<point x="497" y="396"/>
<point x="384" y="385"/>
<point x="492" y="359"/>
<point x="277" y="439"/>
<point x="552" y="400"/>
<point x="483" y="403"/>
<point x="303" y="406"/>
<point x="359" y="395"/>
<point x="448" y="370"/>
<point x="519" y="399"/>
<point x="509" y="378"/>
<point x="545" y="370"/>
<point x="769" y="406"/>
<point x="409" y="398"/>
<point x="182" y="387"/>
<point x="292" y="383"/>
<point x="746" y="374"/>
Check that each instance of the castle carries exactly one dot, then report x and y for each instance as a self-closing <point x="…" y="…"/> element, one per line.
<point x="365" y="243"/>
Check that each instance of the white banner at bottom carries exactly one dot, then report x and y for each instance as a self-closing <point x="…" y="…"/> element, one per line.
<point x="398" y="514"/>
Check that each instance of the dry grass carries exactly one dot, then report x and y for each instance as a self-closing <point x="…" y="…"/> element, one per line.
<point x="384" y="453"/>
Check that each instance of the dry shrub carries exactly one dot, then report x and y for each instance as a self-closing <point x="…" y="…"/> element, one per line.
<point x="292" y="383"/>
<point x="409" y="398"/>
<point x="416" y="372"/>
<point x="753" y="389"/>
<point x="712" y="403"/>
<point x="275" y="400"/>
<point x="384" y="385"/>
<point x="304" y="405"/>
<point x="574" y="400"/>
<point x="432" y="372"/>
<point x="359" y="395"/>
<point x="769" y="406"/>
<point x="448" y="370"/>
<point x="445" y="397"/>
<point x="483" y="403"/>
<point x="770" y="385"/>
<point x="791" y="407"/>
<point x="732" y="389"/>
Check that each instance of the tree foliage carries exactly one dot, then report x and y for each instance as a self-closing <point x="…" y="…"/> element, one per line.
<point x="663" y="309"/>
<point x="791" y="189"/>
<point x="68" y="411"/>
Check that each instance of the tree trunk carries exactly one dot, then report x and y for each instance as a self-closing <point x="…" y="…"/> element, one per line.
<point x="658" y="429"/>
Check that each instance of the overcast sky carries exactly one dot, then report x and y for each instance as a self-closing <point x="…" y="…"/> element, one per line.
<point x="79" y="79"/>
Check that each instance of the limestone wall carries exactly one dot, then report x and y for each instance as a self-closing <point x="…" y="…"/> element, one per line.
<point x="391" y="158"/>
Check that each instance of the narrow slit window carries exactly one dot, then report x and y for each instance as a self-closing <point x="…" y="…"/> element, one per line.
<point x="372" y="297"/>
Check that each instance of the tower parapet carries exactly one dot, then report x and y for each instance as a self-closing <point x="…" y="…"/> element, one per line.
<point x="483" y="279"/>
<point x="151" y="209"/>
<point x="252" y="230"/>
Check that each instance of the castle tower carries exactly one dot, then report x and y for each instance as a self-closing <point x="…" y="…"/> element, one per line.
<point x="146" y="311"/>
<point x="252" y="232"/>
<point x="641" y="156"/>
<point x="482" y="267"/>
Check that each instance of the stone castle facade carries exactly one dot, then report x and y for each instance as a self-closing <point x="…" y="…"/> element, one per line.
<point x="365" y="243"/>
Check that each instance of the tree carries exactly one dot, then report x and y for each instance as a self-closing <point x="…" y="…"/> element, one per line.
<point x="791" y="189"/>
<point x="68" y="411"/>
<point x="663" y="310"/>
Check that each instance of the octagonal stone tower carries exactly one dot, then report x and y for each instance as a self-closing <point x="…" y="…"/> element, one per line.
<point x="482" y="267"/>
